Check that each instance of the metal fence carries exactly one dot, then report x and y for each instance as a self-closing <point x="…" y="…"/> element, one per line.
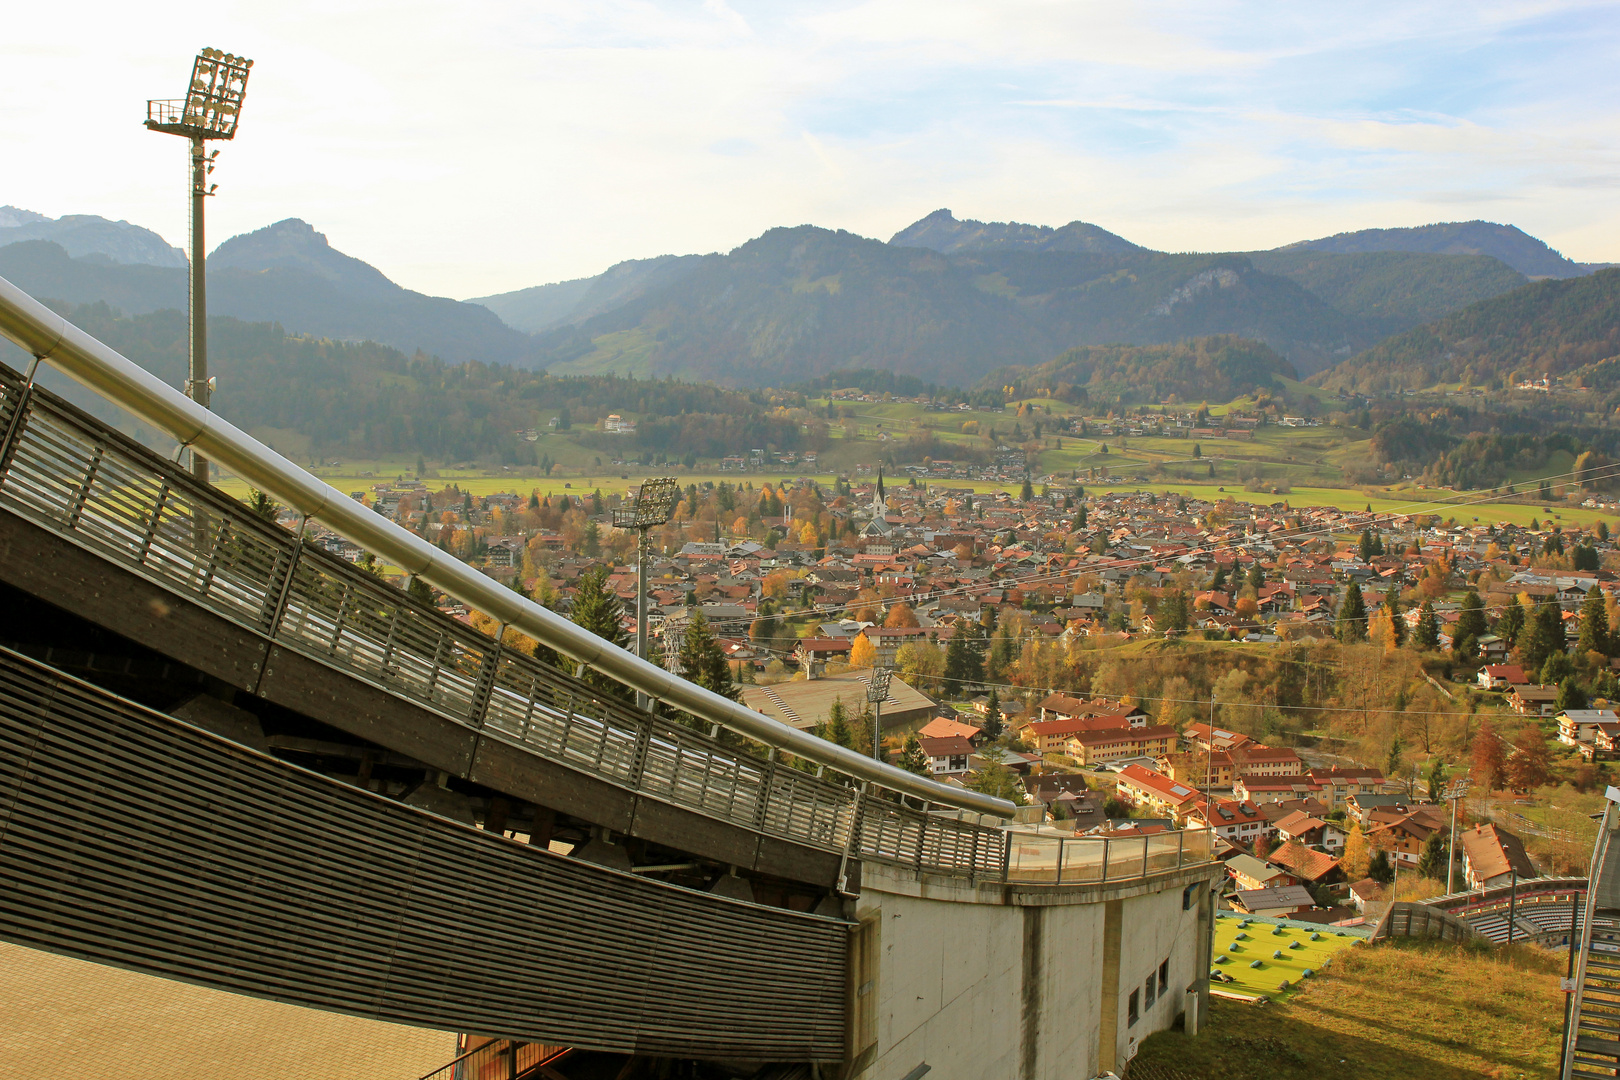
<point x="65" y="471"/>
<point x="499" y="1059"/>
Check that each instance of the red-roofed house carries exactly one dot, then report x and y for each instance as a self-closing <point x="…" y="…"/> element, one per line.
<point x="947" y="756"/>
<point x="1117" y="743"/>
<point x="1156" y="791"/>
<point x="1502" y="676"/>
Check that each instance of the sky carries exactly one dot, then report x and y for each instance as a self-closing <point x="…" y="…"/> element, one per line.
<point x="473" y="148"/>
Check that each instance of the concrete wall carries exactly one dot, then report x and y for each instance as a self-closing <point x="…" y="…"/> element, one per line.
<point x="1000" y="982"/>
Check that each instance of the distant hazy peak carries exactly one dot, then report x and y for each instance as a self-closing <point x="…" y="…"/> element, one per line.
<point x="13" y="216"/>
<point x="1526" y="254"/>
<point x="88" y="236"/>
<point x="940" y="231"/>
<point x="293" y="244"/>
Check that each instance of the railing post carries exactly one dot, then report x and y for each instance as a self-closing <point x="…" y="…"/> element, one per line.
<point x="852" y="841"/>
<point x="1181" y="849"/>
<point x="638" y="753"/>
<point x="1145" y="840"/>
<point x="1006" y="855"/>
<point x="14" y="428"/>
<point x="83" y="494"/>
<point x="1106" y="843"/>
<point x="275" y="614"/>
<point x="1059" y="880"/>
<point x="485" y="688"/>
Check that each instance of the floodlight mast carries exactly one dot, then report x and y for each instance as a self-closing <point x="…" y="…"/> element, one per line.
<point x="652" y="507"/>
<point x="1454" y="792"/>
<point x="210" y="110"/>
<point x="877" y="692"/>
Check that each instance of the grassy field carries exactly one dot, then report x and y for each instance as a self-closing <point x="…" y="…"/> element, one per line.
<point x="1237" y="946"/>
<point x="1411" y="1010"/>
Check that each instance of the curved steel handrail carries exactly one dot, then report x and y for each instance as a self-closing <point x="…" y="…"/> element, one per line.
<point x="51" y="338"/>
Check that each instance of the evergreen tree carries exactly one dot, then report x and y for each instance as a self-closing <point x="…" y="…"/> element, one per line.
<point x="992" y="716"/>
<point x="1543" y="636"/>
<point x="1570" y="695"/>
<point x="1393" y="765"/>
<point x="1365" y="548"/>
<point x="912" y="758"/>
<point x="1471" y="618"/>
<point x="591" y="546"/>
<point x="1595" y="625"/>
<point x="1218" y="582"/>
<point x="1379" y="867"/>
<point x="1510" y="623"/>
<point x="419" y="590"/>
<point x="1003" y="655"/>
<point x="1427" y="637"/>
<point x="703" y="662"/>
<point x="836" y="729"/>
<point x="1352" y="622"/>
<point x="994" y="778"/>
<point x="1432" y="862"/>
<point x="1257" y="575"/>
<point x="1028" y="491"/>
<point x="1080" y="522"/>
<point x="1436" y="778"/>
<point x="1173" y="612"/>
<point x="597" y="609"/>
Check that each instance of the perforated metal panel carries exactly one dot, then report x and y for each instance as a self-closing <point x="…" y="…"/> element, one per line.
<point x="128" y="837"/>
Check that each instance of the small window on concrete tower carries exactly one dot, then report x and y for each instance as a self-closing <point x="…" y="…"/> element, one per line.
<point x="1131" y="1009"/>
<point x="1147" y="993"/>
<point x="1164" y="977"/>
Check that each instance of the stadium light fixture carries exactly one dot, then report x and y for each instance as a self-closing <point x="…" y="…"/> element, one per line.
<point x="652" y="507"/>
<point x="211" y="109"/>
<point x="877" y="692"/>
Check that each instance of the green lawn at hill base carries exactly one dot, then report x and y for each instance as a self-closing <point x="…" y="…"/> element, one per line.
<point x="1260" y="943"/>
<point x="1404" y="1010"/>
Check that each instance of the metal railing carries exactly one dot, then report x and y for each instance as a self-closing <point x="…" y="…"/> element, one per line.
<point x="68" y="473"/>
<point x="499" y="1059"/>
<point x="52" y="339"/>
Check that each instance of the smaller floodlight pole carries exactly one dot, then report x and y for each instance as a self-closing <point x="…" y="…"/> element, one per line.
<point x="1457" y="789"/>
<point x="210" y="110"/>
<point x="877" y="692"/>
<point x="653" y="506"/>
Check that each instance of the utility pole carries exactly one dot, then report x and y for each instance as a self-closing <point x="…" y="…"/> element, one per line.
<point x="210" y="110"/>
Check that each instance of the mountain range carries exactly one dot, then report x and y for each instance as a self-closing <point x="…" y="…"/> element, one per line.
<point x="946" y="300"/>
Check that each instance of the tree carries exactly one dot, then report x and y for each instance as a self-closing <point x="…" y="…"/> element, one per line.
<point x="900" y="616"/>
<point x="1595" y="624"/>
<point x="1436" y="777"/>
<point x="1543" y="636"/>
<point x="836" y="728"/>
<point x="1530" y="764"/>
<point x="1511" y="622"/>
<point x="1257" y="575"/>
<point x="964" y="657"/>
<point x="1003" y="655"/>
<point x="1489" y="762"/>
<point x="1393" y="766"/>
<point x="1352" y="622"/>
<point x="862" y="653"/>
<point x="1028" y="491"/>
<point x="1570" y="695"/>
<point x="1262" y="845"/>
<point x="994" y="778"/>
<point x="992" y="716"/>
<point x="1354" y="859"/>
<point x="1427" y="637"/>
<point x="261" y="505"/>
<point x="1432" y="861"/>
<point x="1379" y="868"/>
<point x="912" y="758"/>
<point x="703" y="662"/>
<point x="1173" y="612"/>
<point x="597" y="609"/>
<point x="1471" y="617"/>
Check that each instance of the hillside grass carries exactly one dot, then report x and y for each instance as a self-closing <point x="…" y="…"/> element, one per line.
<point x="1409" y="1010"/>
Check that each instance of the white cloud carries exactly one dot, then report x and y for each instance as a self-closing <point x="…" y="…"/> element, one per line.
<point x="483" y="147"/>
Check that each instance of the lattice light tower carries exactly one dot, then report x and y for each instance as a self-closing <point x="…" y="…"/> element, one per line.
<point x="1455" y="792"/>
<point x="877" y="692"/>
<point x="210" y="110"/>
<point x="652" y="507"/>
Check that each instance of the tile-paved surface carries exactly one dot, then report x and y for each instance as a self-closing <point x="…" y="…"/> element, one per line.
<point x="69" y="1018"/>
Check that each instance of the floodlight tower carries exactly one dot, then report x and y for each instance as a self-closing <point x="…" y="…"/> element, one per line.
<point x="210" y="110"/>
<point x="877" y="692"/>
<point x="1454" y="792"/>
<point x="653" y="506"/>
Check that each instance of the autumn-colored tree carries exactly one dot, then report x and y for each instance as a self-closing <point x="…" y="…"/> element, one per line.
<point x="862" y="654"/>
<point x="900" y="616"/>
<point x="807" y="535"/>
<point x="1530" y="764"/>
<point x="775" y="585"/>
<point x="1247" y="607"/>
<point x="1355" y="857"/>
<point x="1489" y="758"/>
